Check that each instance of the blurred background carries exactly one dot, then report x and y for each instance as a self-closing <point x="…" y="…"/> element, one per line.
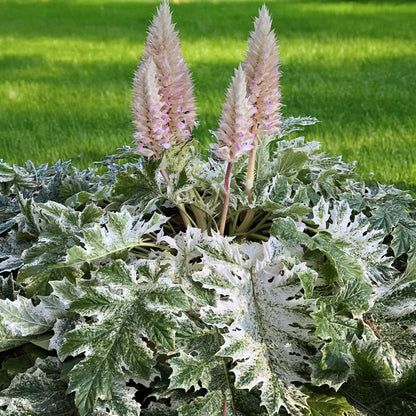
<point x="66" y="70"/>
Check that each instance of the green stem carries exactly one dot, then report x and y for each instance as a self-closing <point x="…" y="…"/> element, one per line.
<point x="258" y="236"/>
<point x="152" y="245"/>
<point x="260" y="226"/>
<point x="250" y="174"/>
<point x="314" y="230"/>
<point x="252" y="164"/>
<point x="234" y="224"/>
<point x="199" y="214"/>
<point x="185" y="216"/>
<point x="167" y="222"/>
<point x="227" y="181"/>
<point x="247" y="221"/>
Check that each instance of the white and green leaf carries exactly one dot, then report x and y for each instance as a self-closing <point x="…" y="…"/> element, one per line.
<point x="124" y="315"/>
<point x="262" y="309"/>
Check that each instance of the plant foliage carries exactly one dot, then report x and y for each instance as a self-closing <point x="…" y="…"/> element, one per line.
<point x="120" y="295"/>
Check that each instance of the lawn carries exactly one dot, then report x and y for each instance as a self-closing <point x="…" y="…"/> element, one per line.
<point x="66" y="71"/>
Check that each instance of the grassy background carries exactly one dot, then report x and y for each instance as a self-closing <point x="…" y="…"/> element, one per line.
<point x="66" y="68"/>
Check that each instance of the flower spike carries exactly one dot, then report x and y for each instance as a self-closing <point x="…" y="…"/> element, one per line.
<point x="163" y="47"/>
<point x="234" y="136"/>
<point x="262" y="71"/>
<point x="150" y="118"/>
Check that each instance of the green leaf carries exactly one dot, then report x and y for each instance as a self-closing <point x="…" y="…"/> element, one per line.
<point x="288" y="162"/>
<point x="211" y="404"/>
<point x="12" y="366"/>
<point x="84" y="197"/>
<point x="292" y="124"/>
<point x="337" y="328"/>
<point x="188" y="371"/>
<point x="122" y="402"/>
<point x="28" y="219"/>
<point x="7" y="174"/>
<point x="354" y="265"/>
<point x="122" y="232"/>
<point x="10" y="264"/>
<point x="351" y="234"/>
<point x="16" y="178"/>
<point x="307" y="279"/>
<point x="259" y="287"/>
<point x="7" y="288"/>
<point x="286" y="231"/>
<point x="387" y="216"/>
<point x="140" y="185"/>
<point x="9" y="340"/>
<point x="61" y="230"/>
<point x="22" y="319"/>
<point x="125" y="313"/>
<point x="6" y="226"/>
<point x="326" y="405"/>
<point x="404" y="237"/>
<point x="380" y="384"/>
<point x="38" y="391"/>
<point x="394" y="313"/>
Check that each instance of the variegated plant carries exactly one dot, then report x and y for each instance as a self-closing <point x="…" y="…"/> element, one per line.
<point x="268" y="280"/>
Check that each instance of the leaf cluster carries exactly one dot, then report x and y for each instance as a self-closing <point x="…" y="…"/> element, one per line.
<point x="111" y="306"/>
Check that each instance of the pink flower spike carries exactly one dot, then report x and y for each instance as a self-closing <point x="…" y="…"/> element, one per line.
<point x="262" y="71"/>
<point x="149" y="119"/>
<point x="236" y="120"/>
<point x="163" y="47"/>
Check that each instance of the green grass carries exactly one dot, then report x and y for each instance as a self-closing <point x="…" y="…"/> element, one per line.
<point x="66" y="70"/>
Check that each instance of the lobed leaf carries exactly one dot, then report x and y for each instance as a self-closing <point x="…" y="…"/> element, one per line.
<point x="261" y="311"/>
<point x="124" y="315"/>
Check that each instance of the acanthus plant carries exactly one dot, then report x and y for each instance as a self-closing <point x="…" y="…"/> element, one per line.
<point x="268" y="280"/>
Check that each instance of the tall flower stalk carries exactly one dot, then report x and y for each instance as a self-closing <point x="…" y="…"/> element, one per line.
<point x="234" y="136"/>
<point x="174" y="86"/>
<point x="263" y="90"/>
<point x="261" y="67"/>
<point x="163" y="47"/>
<point x="163" y="102"/>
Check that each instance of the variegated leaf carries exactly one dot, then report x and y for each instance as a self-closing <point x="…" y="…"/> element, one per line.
<point x="124" y="314"/>
<point x="265" y="319"/>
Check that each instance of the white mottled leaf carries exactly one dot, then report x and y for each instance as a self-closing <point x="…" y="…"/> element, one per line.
<point x="188" y="371"/>
<point x="122" y="402"/>
<point x="211" y="404"/>
<point x="9" y="340"/>
<point x="38" y="391"/>
<point x="352" y="235"/>
<point x="124" y="314"/>
<point x="122" y="232"/>
<point x="22" y="318"/>
<point x="265" y="321"/>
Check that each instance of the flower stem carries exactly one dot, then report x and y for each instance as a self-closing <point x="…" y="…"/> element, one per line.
<point x="252" y="164"/>
<point x="200" y="218"/>
<point x="251" y="168"/>
<point x="181" y="207"/>
<point x="227" y="181"/>
<point x="250" y="174"/>
<point x="165" y="175"/>
<point x="224" y="408"/>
